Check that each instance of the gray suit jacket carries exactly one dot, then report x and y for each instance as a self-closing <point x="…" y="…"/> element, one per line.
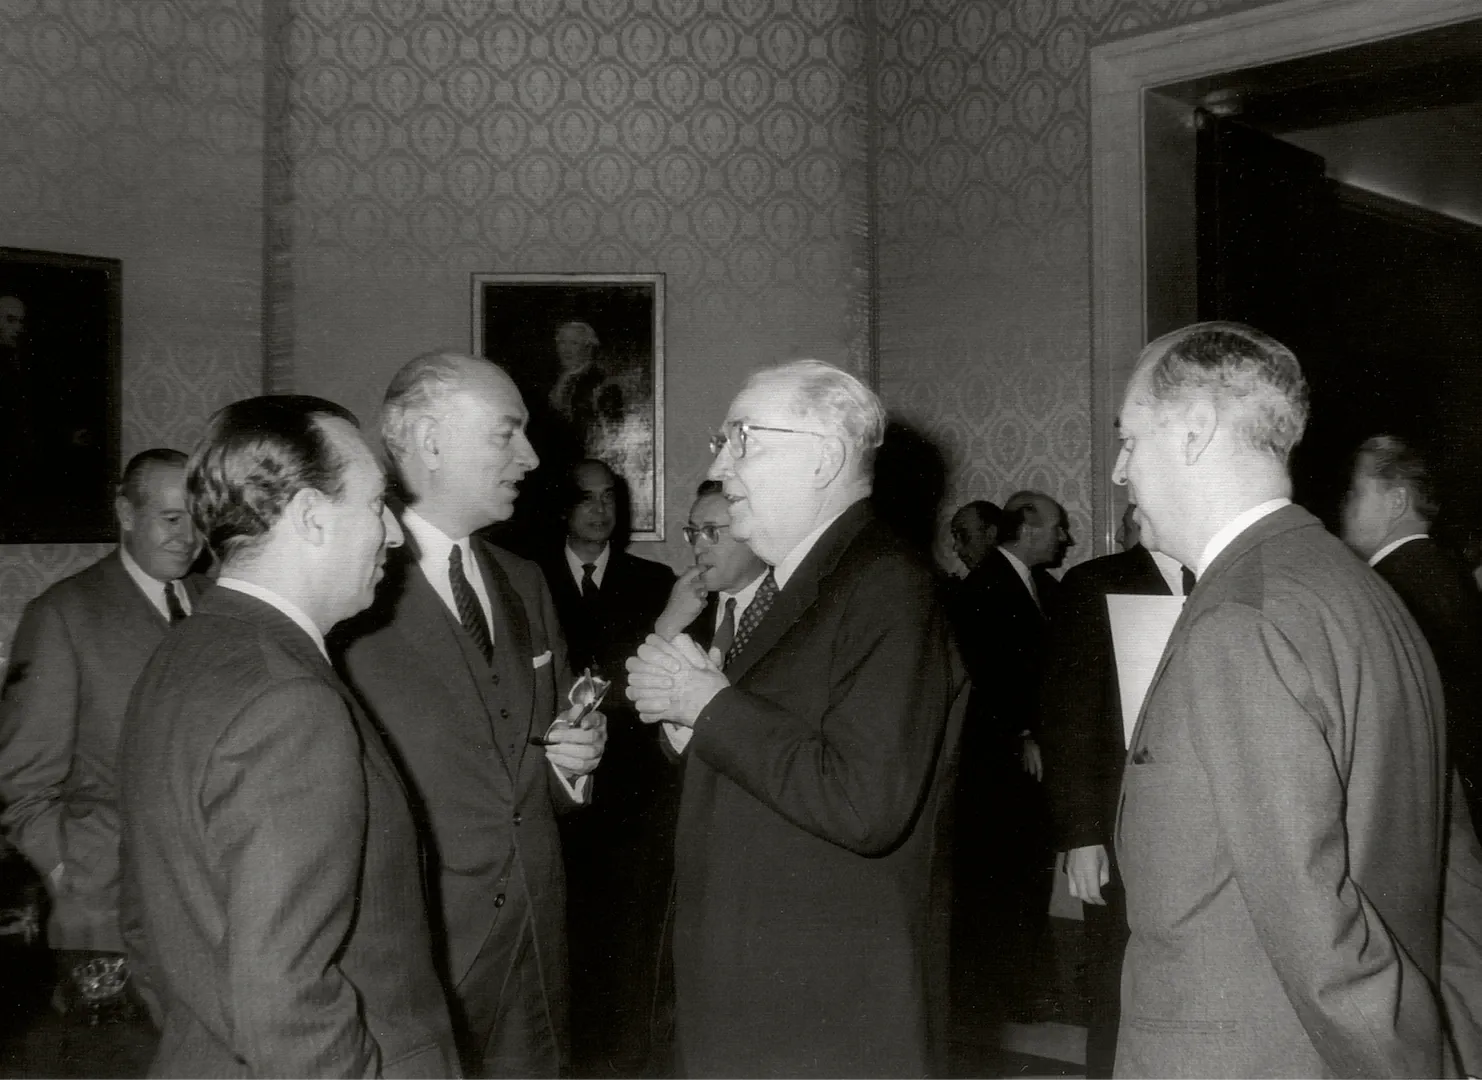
<point x="1281" y="828"/>
<point x="272" y="900"/>
<point x="79" y="648"/>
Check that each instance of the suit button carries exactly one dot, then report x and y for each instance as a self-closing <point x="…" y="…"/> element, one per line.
<point x="499" y="900"/>
<point x="518" y="819"/>
<point x="495" y="677"/>
<point x="504" y="714"/>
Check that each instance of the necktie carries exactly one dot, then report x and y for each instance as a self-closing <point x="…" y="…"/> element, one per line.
<point x="173" y="604"/>
<point x="1188" y="581"/>
<point x="753" y="615"/>
<point x="725" y="633"/>
<point x="588" y="582"/>
<point x="470" y="614"/>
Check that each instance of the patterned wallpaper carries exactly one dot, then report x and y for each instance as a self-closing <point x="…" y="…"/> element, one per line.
<point x="984" y="234"/>
<point x="134" y="131"/>
<point x="718" y="142"/>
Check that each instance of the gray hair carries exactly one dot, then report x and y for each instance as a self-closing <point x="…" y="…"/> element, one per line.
<point x="834" y="398"/>
<point x="422" y="386"/>
<point x="585" y="334"/>
<point x="1237" y="365"/>
<point x="1395" y="463"/>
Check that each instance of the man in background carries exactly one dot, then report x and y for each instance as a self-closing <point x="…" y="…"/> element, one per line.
<point x="1280" y="832"/>
<point x="272" y="889"/>
<point x="1084" y="749"/>
<point x="975" y="532"/>
<point x="77" y="653"/>
<point x="463" y="665"/>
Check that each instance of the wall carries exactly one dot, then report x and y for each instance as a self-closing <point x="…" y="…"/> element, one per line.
<point x="717" y="142"/>
<point x="134" y="131"/>
<point x="985" y="233"/>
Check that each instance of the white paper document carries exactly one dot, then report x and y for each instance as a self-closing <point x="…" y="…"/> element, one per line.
<point x="1140" y="627"/>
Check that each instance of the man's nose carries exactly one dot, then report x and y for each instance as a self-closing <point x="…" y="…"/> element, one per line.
<point x="394" y="536"/>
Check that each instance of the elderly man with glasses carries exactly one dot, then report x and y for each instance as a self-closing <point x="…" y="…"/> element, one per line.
<point x="810" y="882"/>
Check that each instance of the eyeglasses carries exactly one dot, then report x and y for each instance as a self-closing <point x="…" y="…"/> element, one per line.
<point x="743" y="431"/>
<point x="709" y="532"/>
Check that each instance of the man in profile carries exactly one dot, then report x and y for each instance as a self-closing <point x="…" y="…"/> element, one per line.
<point x="810" y="887"/>
<point x="974" y="532"/>
<point x="77" y="653"/>
<point x="273" y="894"/>
<point x="1281" y="825"/>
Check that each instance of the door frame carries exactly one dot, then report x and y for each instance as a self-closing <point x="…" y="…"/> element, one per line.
<point x="1121" y="73"/>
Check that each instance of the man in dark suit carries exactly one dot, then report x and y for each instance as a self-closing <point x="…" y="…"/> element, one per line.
<point x="1281" y="825"/>
<point x="710" y="596"/>
<point x="810" y="886"/>
<point x="1084" y="744"/>
<point x="1387" y="518"/>
<point x="974" y="532"/>
<point x="619" y="851"/>
<point x="1003" y="861"/>
<point x="462" y="664"/>
<point x="79" y="649"/>
<point x="272" y="895"/>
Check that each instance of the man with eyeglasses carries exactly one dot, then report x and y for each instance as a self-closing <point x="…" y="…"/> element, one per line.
<point x="811" y="888"/>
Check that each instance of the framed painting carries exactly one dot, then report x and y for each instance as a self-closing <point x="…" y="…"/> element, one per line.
<point x="587" y="352"/>
<point x="59" y="412"/>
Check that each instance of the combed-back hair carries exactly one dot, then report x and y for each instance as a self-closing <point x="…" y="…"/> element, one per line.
<point x="1242" y="367"/>
<point x="424" y="384"/>
<point x="835" y="398"/>
<point x="989" y="515"/>
<point x="257" y="454"/>
<point x="1392" y="461"/>
<point x="1019" y="509"/>
<point x="131" y="484"/>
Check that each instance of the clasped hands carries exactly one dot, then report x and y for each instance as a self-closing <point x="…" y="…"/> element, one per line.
<point x="673" y="680"/>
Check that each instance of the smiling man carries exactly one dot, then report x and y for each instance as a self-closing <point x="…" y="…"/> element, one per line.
<point x="1280" y="827"/>
<point x="810" y="891"/>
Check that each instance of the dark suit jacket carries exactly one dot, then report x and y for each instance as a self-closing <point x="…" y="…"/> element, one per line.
<point x="460" y="727"/>
<point x="811" y="889"/>
<point x="78" y="651"/>
<point x="1442" y="596"/>
<point x="272" y="861"/>
<point x="1281" y="830"/>
<point x="1080" y="707"/>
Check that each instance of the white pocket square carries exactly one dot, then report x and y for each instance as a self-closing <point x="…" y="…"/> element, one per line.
<point x="542" y="660"/>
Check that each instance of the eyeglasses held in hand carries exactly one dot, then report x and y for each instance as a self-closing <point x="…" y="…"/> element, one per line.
<point x="709" y="532"/>
<point x="743" y="430"/>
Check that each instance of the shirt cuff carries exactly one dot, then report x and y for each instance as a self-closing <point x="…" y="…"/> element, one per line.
<point x="678" y="735"/>
<point x="577" y="788"/>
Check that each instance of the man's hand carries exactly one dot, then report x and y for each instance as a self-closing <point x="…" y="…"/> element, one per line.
<point x="1033" y="762"/>
<point x="576" y="751"/>
<point x="1087" y="869"/>
<point x="686" y="602"/>
<point x="673" y="680"/>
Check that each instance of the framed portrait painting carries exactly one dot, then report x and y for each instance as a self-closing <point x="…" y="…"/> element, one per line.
<point x="59" y="412"/>
<point x="587" y="352"/>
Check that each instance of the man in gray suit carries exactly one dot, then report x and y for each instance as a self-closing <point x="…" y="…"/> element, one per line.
<point x="1281" y="824"/>
<point x="79" y="648"/>
<point x="272" y="900"/>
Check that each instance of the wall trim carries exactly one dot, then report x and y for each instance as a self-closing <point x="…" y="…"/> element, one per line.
<point x="1121" y="72"/>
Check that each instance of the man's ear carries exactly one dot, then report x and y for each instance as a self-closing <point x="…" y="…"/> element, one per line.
<point x="304" y="514"/>
<point x="1200" y="421"/>
<point x="124" y="511"/>
<point x="1396" y="502"/>
<point x="831" y="460"/>
<point x="426" y="442"/>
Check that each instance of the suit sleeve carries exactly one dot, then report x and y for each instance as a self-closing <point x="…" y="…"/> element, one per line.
<point x="856" y="776"/>
<point x="285" y="810"/>
<point x="565" y="795"/>
<point x="1258" y="729"/>
<point x="1072" y="697"/>
<point x="38" y="732"/>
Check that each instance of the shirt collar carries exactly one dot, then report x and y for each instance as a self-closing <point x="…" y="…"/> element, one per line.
<point x="152" y="587"/>
<point x="286" y="606"/>
<point x="433" y="545"/>
<point x="743" y="595"/>
<point x="1020" y="568"/>
<point x="1172" y="571"/>
<point x="599" y="564"/>
<point x="1387" y="548"/>
<point x="1222" y="539"/>
<point x="784" y="570"/>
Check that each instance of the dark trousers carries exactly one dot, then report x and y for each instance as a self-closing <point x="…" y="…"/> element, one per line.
<point x="505" y="1018"/>
<point x="1106" y="936"/>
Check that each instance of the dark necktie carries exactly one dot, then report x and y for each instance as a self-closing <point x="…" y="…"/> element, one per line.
<point x="588" y="582"/>
<point x="173" y="604"/>
<point x="470" y="614"/>
<point x="725" y="633"/>
<point x="753" y="615"/>
<point x="1188" y="581"/>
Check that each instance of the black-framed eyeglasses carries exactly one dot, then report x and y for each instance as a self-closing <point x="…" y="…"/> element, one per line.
<point x="743" y="430"/>
<point x="709" y="532"/>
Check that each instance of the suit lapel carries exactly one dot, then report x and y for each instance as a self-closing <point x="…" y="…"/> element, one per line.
<point x="512" y="659"/>
<point x="131" y="596"/>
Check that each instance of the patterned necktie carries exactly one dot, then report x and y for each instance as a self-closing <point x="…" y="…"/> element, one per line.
<point x="470" y="613"/>
<point x="1188" y="581"/>
<point x="588" y="582"/>
<point x="753" y="615"/>
<point x="173" y="604"/>
<point x="725" y="633"/>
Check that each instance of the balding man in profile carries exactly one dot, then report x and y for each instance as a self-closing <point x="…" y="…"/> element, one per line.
<point x="1281" y="824"/>
<point x="810" y="885"/>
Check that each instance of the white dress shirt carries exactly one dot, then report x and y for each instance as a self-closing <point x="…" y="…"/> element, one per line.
<point x="1024" y="574"/>
<point x="1226" y="536"/>
<point x="287" y="607"/>
<point x="152" y="587"/>
<point x="599" y="565"/>
<point x="433" y="548"/>
<point x="1387" y="548"/>
<point x="1172" y="571"/>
